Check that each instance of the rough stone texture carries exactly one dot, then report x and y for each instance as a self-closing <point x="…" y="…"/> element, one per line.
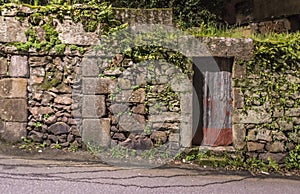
<point x="98" y="85"/>
<point x="277" y="157"/>
<point x="164" y="117"/>
<point x="96" y="131"/>
<point x="93" y="106"/>
<point x="3" y="66"/>
<point x="127" y="122"/>
<point x="90" y="67"/>
<point x="12" y="30"/>
<point x="238" y="136"/>
<point x="275" y="147"/>
<point x="13" y="110"/>
<point x="159" y="137"/>
<point x="36" y="111"/>
<point x="238" y="100"/>
<point x="13" y="88"/>
<point x="66" y="100"/>
<point x="73" y="33"/>
<point x="260" y="134"/>
<point x="59" y="128"/>
<point x="256" y="115"/>
<point x="252" y="146"/>
<point x="18" y="66"/>
<point x="293" y="112"/>
<point x="12" y="132"/>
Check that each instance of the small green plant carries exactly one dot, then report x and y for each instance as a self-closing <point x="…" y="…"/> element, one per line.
<point x="46" y="116"/>
<point x="37" y="124"/>
<point x="147" y="129"/>
<point x="56" y="146"/>
<point x="293" y="159"/>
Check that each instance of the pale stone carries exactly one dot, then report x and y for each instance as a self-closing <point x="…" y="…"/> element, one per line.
<point x="93" y="106"/>
<point x="164" y="117"/>
<point x="238" y="136"/>
<point x="98" y="85"/>
<point x="3" y="66"/>
<point x="13" y="88"/>
<point x="256" y="115"/>
<point x="275" y="147"/>
<point x="12" y="30"/>
<point x="96" y="132"/>
<point x="293" y="112"/>
<point x="12" y="132"/>
<point x="73" y="33"/>
<point x="252" y="146"/>
<point x="18" y="66"/>
<point x="13" y="110"/>
<point x="59" y="128"/>
<point x="66" y="100"/>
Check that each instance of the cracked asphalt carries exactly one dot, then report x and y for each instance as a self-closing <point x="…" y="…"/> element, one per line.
<point x="52" y="175"/>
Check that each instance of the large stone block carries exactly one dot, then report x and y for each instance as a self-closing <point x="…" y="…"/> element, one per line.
<point x="18" y="66"/>
<point x="12" y="30"/>
<point x="238" y="98"/>
<point x="128" y="122"/>
<point x="253" y="146"/>
<point x="293" y="112"/>
<point x="73" y="33"/>
<point x="13" y="110"/>
<point x="96" y="132"/>
<point x="98" y="86"/>
<point x="186" y="134"/>
<point x="238" y="136"/>
<point x="3" y="66"/>
<point x="256" y="115"/>
<point x="93" y="106"/>
<point x="12" y="132"/>
<point x="165" y="117"/>
<point x="13" y="88"/>
<point x="90" y="67"/>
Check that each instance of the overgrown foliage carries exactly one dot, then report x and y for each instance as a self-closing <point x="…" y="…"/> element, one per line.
<point x="186" y="13"/>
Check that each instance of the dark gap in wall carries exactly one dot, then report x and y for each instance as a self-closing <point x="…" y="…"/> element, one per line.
<point x="201" y="66"/>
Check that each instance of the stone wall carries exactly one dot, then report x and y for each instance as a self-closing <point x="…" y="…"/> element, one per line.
<point x="71" y="99"/>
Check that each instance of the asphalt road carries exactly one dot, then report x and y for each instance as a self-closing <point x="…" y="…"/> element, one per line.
<point x="52" y="176"/>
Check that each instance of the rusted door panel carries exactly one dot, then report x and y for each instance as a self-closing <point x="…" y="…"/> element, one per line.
<point x="217" y="109"/>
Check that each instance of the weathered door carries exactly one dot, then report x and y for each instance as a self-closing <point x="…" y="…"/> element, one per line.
<point x="217" y="108"/>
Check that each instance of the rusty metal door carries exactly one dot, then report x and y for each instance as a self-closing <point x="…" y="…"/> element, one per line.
<point x="217" y="109"/>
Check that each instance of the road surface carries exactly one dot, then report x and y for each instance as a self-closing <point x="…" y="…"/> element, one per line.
<point x="57" y="176"/>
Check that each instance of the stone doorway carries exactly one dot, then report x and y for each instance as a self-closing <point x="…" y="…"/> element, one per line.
<point x="212" y="102"/>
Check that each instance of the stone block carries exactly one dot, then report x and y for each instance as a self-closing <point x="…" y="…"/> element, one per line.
<point x="253" y="146"/>
<point x="73" y="33"/>
<point x="12" y="30"/>
<point x="63" y="99"/>
<point x="3" y="66"/>
<point x="238" y="98"/>
<point x="90" y="67"/>
<point x="59" y="128"/>
<point x="238" y="136"/>
<point x="137" y="96"/>
<point x="128" y="122"/>
<point x="278" y="157"/>
<point x="37" y="111"/>
<point x="13" y="88"/>
<point x="275" y="147"/>
<point x="13" y="110"/>
<point x="174" y="137"/>
<point x="96" y="132"/>
<point x="239" y="71"/>
<point x="98" y="86"/>
<point x="293" y="112"/>
<point x="39" y="61"/>
<point x="256" y="115"/>
<point x="285" y="125"/>
<point x="18" y="66"/>
<point x="93" y="106"/>
<point x="261" y="134"/>
<point x="164" y="117"/>
<point x="186" y="134"/>
<point x="12" y="132"/>
<point x="186" y="102"/>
